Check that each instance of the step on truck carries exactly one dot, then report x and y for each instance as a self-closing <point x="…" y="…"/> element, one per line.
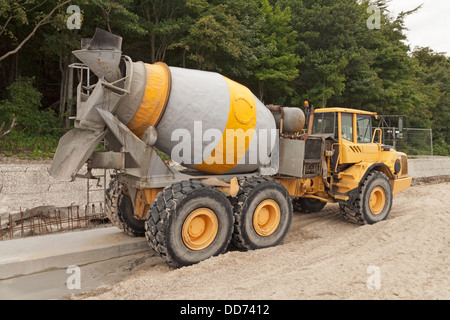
<point x="244" y="166"/>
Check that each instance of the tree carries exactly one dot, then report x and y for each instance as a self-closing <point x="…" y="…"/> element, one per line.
<point x="11" y="127"/>
<point x="435" y="75"/>
<point x="58" y="44"/>
<point x="327" y="32"/>
<point x="164" y="21"/>
<point x="285" y="51"/>
<point x="18" y="12"/>
<point x="118" y="14"/>
<point x="276" y="63"/>
<point x="215" y="35"/>
<point x="25" y="107"/>
<point x="402" y="91"/>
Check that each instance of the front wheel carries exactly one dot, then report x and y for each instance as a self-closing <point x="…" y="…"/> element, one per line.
<point x="373" y="203"/>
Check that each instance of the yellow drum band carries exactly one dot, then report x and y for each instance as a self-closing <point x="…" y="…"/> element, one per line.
<point x="155" y="99"/>
<point x="242" y="115"/>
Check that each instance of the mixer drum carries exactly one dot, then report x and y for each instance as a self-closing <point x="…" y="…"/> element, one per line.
<point x="203" y="119"/>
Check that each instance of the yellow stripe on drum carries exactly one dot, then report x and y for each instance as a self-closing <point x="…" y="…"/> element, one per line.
<point x="155" y="99"/>
<point x="238" y="133"/>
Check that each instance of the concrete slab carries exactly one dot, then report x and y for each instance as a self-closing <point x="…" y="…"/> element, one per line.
<point x="53" y="284"/>
<point x="59" y="251"/>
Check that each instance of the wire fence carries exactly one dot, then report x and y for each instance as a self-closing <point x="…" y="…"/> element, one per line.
<point x="412" y="141"/>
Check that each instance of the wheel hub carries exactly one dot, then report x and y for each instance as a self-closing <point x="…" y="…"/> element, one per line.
<point x="200" y="229"/>
<point x="377" y="200"/>
<point x="197" y="227"/>
<point x="266" y="217"/>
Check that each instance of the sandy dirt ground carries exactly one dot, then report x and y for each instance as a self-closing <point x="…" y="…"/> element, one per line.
<point x="323" y="257"/>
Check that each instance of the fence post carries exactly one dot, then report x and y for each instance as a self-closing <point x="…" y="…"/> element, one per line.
<point x="431" y="135"/>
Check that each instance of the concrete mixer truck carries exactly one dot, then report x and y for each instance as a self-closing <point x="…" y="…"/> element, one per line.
<point x="245" y="165"/>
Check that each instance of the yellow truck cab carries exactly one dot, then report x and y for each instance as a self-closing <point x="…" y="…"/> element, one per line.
<point x="363" y="174"/>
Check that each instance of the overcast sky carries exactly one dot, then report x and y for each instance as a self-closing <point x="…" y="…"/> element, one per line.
<point x="430" y="26"/>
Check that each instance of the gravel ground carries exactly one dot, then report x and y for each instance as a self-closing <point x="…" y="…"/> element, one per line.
<point x="323" y="257"/>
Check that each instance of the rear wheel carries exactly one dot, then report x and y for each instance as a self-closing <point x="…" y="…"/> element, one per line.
<point x="374" y="201"/>
<point x="262" y="213"/>
<point x="189" y="222"/>
<point x="308" y="205"/>
<point x="119" y="210"/>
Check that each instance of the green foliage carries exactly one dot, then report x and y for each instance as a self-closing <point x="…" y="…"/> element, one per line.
<point x="285" y="51"/>
<point x="327" y="36"/>
<point x="277" y="61"/>
<point x="35" y="132"/>
<point x="435" y="77"/>
<point x="117" y="15"/>
<point x="25" y="104"/>
<point x="215" y="38"/>
<point x="441" y="148"/>
<point x="28" y="146"/>
<point x="14" y="13"/>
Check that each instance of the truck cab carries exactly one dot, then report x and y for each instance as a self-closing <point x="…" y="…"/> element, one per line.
<point x="355" y="154"/>
<point x="355" y="169"/>
<point x="353" y="140"/>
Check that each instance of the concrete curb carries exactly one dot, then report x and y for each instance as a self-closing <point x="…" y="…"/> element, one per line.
<point x="59" y="251"/>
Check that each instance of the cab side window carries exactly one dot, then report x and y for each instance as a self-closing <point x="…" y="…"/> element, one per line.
<point x="347" y="126"/>
<point x="364" y="124"/>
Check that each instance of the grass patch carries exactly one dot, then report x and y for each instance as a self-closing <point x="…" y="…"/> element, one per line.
<point x="29" y="147"/>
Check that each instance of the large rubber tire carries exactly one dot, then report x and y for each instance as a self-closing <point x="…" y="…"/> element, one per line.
<point x="252" y="193"/>
<point x="170" y="210"/>
<point x="360" y="212"/>
<point x="308" y="205"/>
<point x="119" y="210"/>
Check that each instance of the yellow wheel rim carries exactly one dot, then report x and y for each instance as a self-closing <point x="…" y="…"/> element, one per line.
<point x="377" y="200"/>
<point x="200" y="229"/>
<point x="266" y="218"/>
